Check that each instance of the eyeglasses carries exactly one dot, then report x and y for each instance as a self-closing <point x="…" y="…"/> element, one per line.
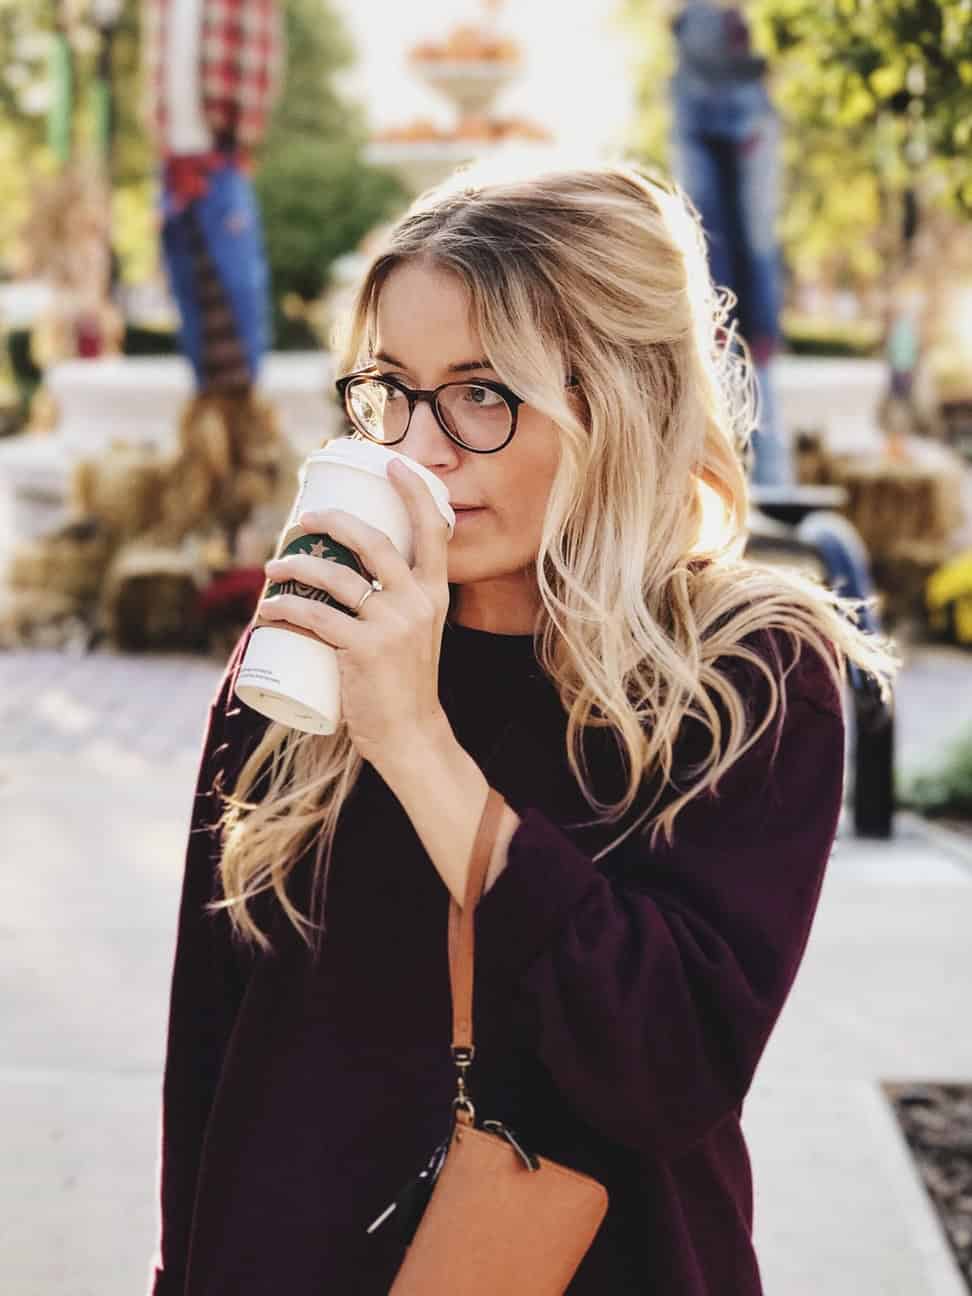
<point x="479" y="416"/>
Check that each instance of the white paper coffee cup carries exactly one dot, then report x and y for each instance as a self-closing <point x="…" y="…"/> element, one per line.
<point x="287" y="673"/>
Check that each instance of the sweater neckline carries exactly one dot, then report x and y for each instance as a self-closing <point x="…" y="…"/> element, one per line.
<point x="488" y="657"/>
<point x="484" y="638"/>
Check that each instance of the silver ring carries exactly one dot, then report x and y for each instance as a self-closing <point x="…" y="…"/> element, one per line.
<point x="373" y="588"/>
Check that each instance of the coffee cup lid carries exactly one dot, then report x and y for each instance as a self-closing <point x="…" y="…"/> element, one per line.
<point x="373" y="458"/>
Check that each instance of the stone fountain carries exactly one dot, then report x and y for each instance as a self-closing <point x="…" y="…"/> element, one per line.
<point x="469" y="68"/>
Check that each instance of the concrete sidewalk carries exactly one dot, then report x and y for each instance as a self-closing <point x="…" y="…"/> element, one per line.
<point x="883" y="994"/>
<point x="88" y="903"/>
<point x="93" y="848"/>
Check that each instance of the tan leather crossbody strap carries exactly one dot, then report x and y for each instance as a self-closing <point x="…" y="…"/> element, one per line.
<point x="461" y="929"/>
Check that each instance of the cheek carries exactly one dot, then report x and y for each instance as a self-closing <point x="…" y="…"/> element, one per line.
<point x="520" y="497"/>
<point x="535" y="476"/>
<point x="516" y="485"/>
<point x="523" y="518"/>
<point x="508" y="536"/>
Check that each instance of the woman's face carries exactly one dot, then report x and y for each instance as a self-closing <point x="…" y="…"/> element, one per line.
<point x="425" y="337"/>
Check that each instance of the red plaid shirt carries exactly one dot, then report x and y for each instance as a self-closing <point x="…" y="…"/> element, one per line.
<point x="241" y="67"/>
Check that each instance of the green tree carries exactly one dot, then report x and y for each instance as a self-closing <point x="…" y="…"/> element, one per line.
<point x="875" y="95"/>
<point x="25" y="28"/>
<point x="317" y="193"/>
<point x="25" y="32"/>
<point x="652" y="63"/>
<point x="892" y="78"/>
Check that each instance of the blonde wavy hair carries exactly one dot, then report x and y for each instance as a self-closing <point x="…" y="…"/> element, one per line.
<point x="597" y="272"/>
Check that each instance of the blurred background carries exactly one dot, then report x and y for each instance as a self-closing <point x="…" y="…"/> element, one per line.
<point x="188" y="192"/>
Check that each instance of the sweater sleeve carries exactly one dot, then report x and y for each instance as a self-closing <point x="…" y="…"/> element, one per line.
<point x="650" y="999"/>
<point x="206" y="991"/>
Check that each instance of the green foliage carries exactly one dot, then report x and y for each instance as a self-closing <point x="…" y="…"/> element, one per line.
<point x="877" y="97"/>
<point x="133" y="157"/>
<point x="874" y="95"/>
<point x="651" y="67"/>
<point x="25" y="27"/>
<point x="24" y="35"/>
<point x="892" y="79"/>
<point x="948" y="790"/>
<point x="317" y="194"/>
<point x="139" y="341"/>
<point x="830" y="337"/>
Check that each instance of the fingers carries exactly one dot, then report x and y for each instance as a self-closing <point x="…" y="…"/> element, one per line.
<point x="375" y="551"/>
<point x="316" y="576"/>
<point x="429" y="527"/>
<point x="330" y="624"/>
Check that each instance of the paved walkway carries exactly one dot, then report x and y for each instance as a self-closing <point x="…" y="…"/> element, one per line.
<point x="97" y="758"/>
<point x="882" y="995"/>
<point x="104" y="707"/>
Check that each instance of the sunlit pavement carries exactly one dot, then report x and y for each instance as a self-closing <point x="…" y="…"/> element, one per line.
<point x="97" y="760"/>
<point x="882" y="995"/>
<point x="108" y="709"/>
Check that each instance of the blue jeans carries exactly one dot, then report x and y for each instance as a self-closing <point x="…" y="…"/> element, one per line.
<point x="726" y="159"/>
<point x="228" y="217"/>
<point x="772" y="458"/>
<point x="726" y="145"/>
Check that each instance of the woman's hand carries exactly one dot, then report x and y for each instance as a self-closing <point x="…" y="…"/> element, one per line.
<point x="389" y="654"/>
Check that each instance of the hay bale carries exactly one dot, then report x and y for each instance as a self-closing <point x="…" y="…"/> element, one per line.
<point x="150" y="599"/>
<point x="811" y="458"/>
<point x="70" y="563"/>
<point x="41" y="619"/>
<point x="122" y="488"/>
<point x="903" y="573"/>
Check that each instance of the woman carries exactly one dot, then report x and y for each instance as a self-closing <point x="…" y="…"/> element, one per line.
<point x="579" y="646"/>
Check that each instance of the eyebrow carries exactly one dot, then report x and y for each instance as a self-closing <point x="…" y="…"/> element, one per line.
<point x="465" y="367"/>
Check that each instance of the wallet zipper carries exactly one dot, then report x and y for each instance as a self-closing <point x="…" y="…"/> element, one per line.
<point x="503" y="1131"/>
<point x="411" y="1201"/>
<point x="413" y="1198"/>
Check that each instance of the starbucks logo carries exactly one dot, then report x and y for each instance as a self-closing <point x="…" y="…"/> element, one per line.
<point x="318" y="546"/>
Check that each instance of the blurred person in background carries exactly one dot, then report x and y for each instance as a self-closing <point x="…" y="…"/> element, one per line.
<point x="213" y="71"/>
<point x="726" y="157"/>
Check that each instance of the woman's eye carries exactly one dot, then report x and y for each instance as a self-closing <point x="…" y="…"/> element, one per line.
<point x="483" y="397"/>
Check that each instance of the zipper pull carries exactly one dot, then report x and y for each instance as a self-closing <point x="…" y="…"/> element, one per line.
<point x="497" y="1127"/>
<point x="411" y="1202"/>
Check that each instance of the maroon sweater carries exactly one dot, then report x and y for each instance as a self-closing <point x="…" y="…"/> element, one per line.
<point x="620" y="1007"/>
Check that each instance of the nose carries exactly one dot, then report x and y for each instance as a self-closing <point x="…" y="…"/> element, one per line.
<point x="426" y="443"/>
